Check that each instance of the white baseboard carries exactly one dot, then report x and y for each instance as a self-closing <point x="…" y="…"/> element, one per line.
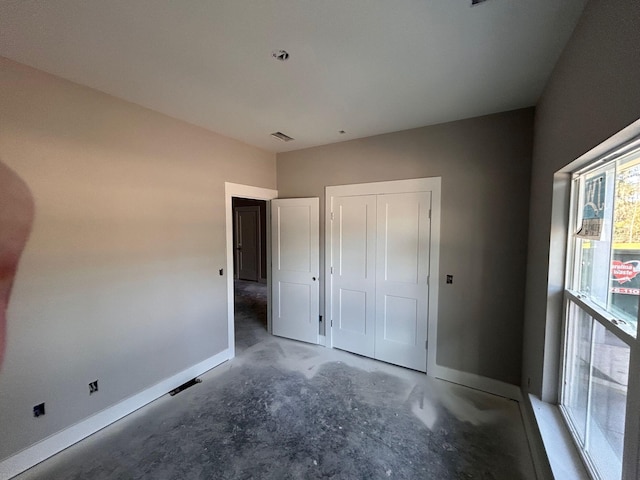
<point x="57" y="442"/>
<point x="478" y="382"/>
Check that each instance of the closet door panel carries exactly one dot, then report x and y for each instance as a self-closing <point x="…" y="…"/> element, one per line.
<point x="353" y="250"/>
<point x="402" y="276"/>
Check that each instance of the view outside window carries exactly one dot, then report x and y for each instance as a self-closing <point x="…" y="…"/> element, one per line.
<point x="602" y="311"/>
<point x="578" y="370"/>
<point x="625" y="261"/>
<point x="609" y="268"/>
<point x="610" y="373"/>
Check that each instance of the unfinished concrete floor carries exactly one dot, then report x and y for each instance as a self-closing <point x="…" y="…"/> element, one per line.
<point x="287" y="410"/>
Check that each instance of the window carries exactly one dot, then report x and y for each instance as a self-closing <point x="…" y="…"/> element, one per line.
<point x="601" y="316"/>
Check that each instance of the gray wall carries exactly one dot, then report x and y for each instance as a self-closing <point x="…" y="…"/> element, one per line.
<point x="485" y="168"/>
<point x="593" y="93"/>
<point x="119" y="278"/>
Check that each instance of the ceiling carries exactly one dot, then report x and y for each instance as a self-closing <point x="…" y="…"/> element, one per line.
<point x="363" y="66"/>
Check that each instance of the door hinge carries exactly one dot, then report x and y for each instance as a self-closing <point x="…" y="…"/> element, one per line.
<point x="331" y="269"/>
<point x="426" y="344"/>
<point x="428" y="278"/>
<point x="429" y="214"/>
<point x="332" y="216"/>
<point x="320" y="318"/>
<point x="332" y="323"/>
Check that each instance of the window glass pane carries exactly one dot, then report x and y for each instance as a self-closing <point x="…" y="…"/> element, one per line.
<point x="610" y="374"/>
<point x="594" y="255"/>
<point x="607" y="269"/>
<point x="578" y="361"/>
<point x="625" y="261"/>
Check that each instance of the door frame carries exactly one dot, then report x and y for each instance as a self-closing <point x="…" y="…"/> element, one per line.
<point x="257" y="193"/>
<point x="433" y="185"/>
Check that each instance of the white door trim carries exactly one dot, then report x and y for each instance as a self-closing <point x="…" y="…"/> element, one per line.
<point x="432" y="185"/>
<point x="245" y="191"/>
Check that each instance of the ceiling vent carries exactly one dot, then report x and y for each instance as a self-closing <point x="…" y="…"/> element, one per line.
<point x="282" y="136"/>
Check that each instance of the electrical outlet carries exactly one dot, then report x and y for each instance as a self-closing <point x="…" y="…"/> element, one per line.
<point x="221" y="271"/>
<point x="93" y="387"/>
<point x="38" y="410"/>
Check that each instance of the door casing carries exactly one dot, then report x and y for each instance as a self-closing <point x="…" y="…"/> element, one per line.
<point x="237" y="190"/>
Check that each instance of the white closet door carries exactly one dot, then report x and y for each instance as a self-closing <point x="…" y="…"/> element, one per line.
<point x="402" y="273"/>
<point x="295" y="268"/>
<point x="353" y="283"/>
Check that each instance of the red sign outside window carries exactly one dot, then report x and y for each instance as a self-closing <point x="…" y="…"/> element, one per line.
<point x="623" y="272"/>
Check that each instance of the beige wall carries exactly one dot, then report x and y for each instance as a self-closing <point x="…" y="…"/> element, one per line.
<point x="119" y="277"/>
<point x="593" y="93"/>
<point x="485" y="168"/>
<point x="119" y="280"/>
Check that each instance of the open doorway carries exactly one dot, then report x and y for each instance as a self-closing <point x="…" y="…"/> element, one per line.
<point x="249" y="239"/>
<point x="231" y="191"/>
<point x="250" y="290"/>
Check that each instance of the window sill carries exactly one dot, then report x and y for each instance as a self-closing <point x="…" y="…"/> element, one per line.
<point x="563" y="456"/>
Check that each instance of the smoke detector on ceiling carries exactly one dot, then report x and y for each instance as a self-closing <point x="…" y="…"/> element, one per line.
<point x="281" y="55"/>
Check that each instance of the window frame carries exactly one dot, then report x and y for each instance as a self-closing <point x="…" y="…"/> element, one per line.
<point x="600" y="315"/>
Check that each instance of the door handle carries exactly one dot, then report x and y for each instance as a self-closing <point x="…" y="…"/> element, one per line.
<point x="313" y="278"/>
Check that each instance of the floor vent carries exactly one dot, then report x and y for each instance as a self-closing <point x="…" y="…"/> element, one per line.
<point x="184" y="386"/>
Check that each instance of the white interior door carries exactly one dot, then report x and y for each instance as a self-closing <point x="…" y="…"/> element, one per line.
<point x="295" y="268"/>
<point x="402" y="276"/>
<point x="248" y="242"/>
<point x="353" y="280"/>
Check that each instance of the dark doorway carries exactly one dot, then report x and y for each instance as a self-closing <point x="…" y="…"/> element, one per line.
<point x="250" y="271"/>
<point x="250" y="239"/>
